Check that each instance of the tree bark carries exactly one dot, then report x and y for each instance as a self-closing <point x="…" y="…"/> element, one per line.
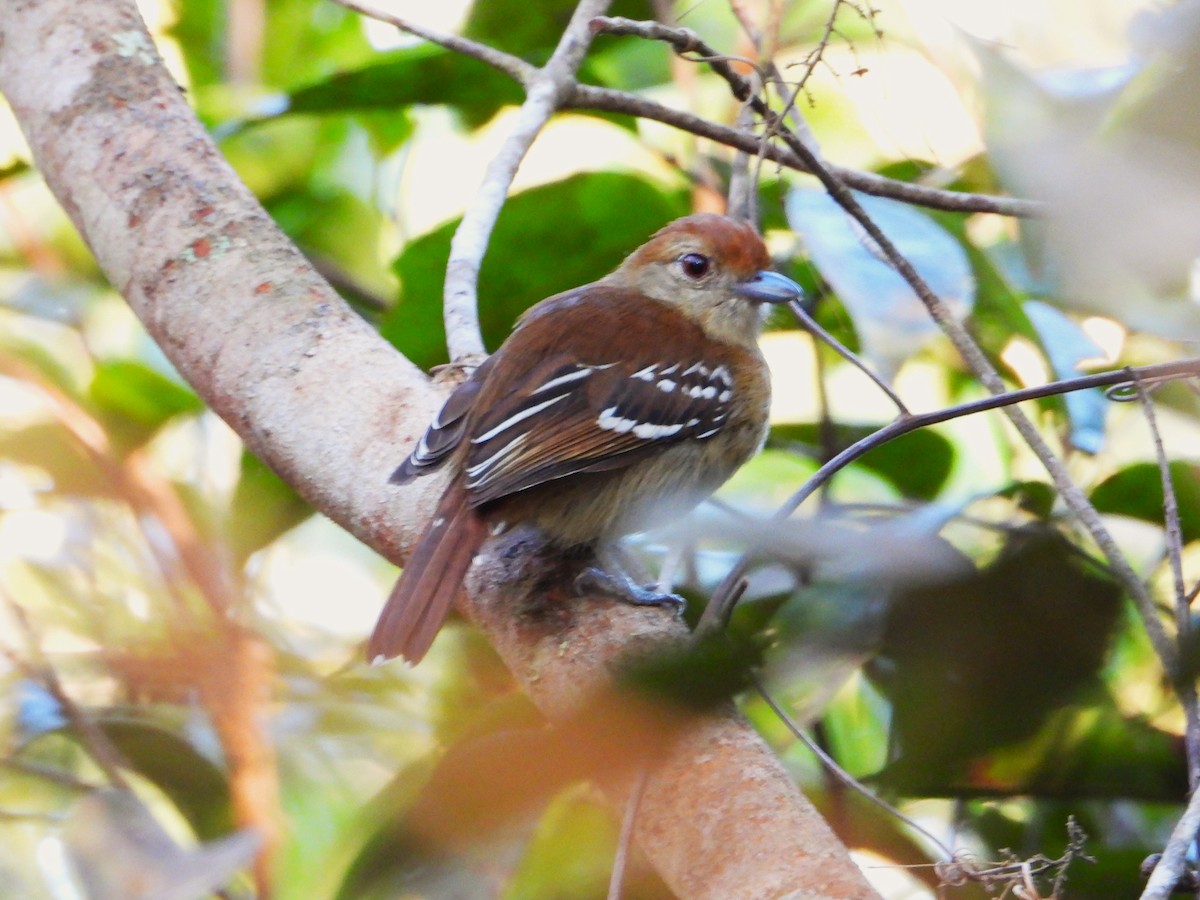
<point x="319" y="396"/>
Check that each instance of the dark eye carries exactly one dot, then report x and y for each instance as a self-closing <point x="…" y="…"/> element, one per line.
<point x="695" y="265"/>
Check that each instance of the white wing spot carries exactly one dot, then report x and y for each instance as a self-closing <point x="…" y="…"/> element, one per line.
<point x="651" y="432"/>
<point x="670" y="370"/>
<point x="725" y="396"/>
<point x="610" y="421"/>
<point x="708" y="433"/>
<point x="646" y="374"/>
<point x="515" y="418"/>
<point x="666" y="385"/>
<point x="480" y="468"/>
<point x="564" y="379"/>
<point x="720" y="373"/>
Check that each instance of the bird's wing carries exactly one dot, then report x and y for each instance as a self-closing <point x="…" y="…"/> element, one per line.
<point x="571" y="416"/>
<point x="446" y="430"/>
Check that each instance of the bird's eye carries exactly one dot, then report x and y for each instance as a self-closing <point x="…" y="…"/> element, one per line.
<point x="695" y="265"/>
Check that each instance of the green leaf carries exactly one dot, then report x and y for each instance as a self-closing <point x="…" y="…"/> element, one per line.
<point x="978" y="664"/>
<point x="139" y="396"/>
<point x="416" y="75"/>
<point x="917" y="464"/>
<point x="547" y="240"/>
<point x="264" y="507"/>
<point x="1137" y="492"/>
<point x="531" y="29"/>
<point x="196" y="785"/>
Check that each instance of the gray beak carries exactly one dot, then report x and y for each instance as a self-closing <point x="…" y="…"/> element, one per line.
<point x="770" y="287"/>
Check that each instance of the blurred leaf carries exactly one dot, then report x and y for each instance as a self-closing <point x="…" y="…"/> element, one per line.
<point x="999" y="313"/>
<point x="121" y="853"/>
<point x="138" y="397"/>
<point x="51" y="448"/>
<point x="264" y="507"/>
<point x="1136" y="491"/>
<point x="849" y="570"/>
<point x="13" y="169"/>
<point x="1067" y="345"/>
<point x="698" y="676"/>
<point x="999" y="652"/>
<point x="1089" y="751"/>
<point x="1034" y="497"/>
<point x="194" y="784"/>
<point x="199" y="29"/>
<point x="1123" y="238"/>
<point x="424" y="74"/>
<point x="531" y="29"/>
<point x="891" y="321"/>
<point x="548" y="239"/>
<point x="574" y="843"/>
<point x="308" y="40"/>
<point x="893" y="461"/>
<point x="38" y="710"/>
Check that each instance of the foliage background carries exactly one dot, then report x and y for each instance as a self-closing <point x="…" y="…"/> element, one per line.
<point x="990" y="706"/>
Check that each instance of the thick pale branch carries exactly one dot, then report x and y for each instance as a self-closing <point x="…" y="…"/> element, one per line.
<point x="330" y="405"/>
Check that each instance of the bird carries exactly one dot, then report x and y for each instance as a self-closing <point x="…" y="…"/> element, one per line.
<point x="609" y="409"/>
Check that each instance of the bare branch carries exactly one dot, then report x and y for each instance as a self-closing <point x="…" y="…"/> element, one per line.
<point x="513" y="66"/>
<point x="1172" y="866"/>
<point x="545" y="93"/>
<point x="1186" y="688"/>
<point x="584" y="96"/>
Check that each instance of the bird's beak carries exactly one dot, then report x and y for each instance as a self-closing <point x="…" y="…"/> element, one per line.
<point x="770" y="287"/>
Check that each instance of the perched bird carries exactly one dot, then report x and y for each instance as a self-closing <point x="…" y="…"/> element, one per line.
<point x="611" y="407"/>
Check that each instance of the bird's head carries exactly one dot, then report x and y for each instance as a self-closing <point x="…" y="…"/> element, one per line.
<point x="714" y="269"/>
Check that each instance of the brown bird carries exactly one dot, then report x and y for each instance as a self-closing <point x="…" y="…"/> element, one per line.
<point x="610" y="408"/>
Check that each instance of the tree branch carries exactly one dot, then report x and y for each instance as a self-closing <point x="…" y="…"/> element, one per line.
<point x="544" y="95"/>
<point x="268" y="345"/>
<point x="599" y="99"/>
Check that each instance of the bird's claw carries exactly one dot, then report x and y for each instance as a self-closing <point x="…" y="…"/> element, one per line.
<point x="593" y="580"/>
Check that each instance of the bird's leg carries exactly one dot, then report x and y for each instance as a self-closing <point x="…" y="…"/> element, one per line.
<point x="611" y="578"/>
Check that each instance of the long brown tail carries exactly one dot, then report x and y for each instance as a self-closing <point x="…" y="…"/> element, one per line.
<point x="421" y="599"/>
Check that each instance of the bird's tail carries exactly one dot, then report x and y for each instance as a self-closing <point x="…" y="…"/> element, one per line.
<point x="421" y="599"/>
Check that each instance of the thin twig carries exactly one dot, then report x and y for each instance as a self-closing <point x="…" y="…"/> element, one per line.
<point x="810" y="324"/>
<point x="1172" y="866"/>
<point x="1186" y="688"/>
<point x="625" y="839"/>
<point x="513" y="66"/>
<point x="545" y="94"/>
<point x="719" y="608"/>
<point x="831" y="765"/>
<point x="599" y="99"/>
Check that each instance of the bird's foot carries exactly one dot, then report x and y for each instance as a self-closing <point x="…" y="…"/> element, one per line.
<point x="593" y="580"/>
